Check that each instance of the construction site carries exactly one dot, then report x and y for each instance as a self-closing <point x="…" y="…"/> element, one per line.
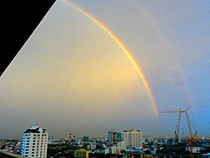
<point x="182" y="148"/>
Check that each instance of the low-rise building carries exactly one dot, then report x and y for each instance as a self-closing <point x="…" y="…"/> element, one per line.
<point x="113" y="150"/>
<point x="82" y="153"/>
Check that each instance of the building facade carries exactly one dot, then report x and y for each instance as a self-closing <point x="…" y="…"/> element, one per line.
<point x="119" y="137"/>
<point x="86" y="138"/>
<point x="70" y="137"/>
<point x="132" y="138"/>
<point x="34" y="142"/>
<point x="122" y="145"/>
<point x="110" y="136"/>
<point x="82" y="153"/>
<point x="114" y="137"/>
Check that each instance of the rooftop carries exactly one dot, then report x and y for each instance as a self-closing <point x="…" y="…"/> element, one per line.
<point x="4" y="154"/>
<point x="35" y="129"/>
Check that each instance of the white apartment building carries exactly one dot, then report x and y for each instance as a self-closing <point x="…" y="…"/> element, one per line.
<point x="122" y="145"/>
<point x="132" y="138"/>
<point x="113" y="150"/>
<point x="34" y="142"/>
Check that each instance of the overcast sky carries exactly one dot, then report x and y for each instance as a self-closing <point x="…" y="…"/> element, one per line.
<point x="72" y="77"/>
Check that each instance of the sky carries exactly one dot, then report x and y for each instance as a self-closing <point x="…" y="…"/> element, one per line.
<point x="73" y="76"/>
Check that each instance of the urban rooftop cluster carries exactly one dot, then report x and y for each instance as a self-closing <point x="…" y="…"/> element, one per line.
<point x="37" y="143"/>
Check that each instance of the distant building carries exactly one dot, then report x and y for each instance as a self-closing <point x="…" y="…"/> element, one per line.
<point x="122" y="145"/>
<point x="110" y="136"/>
<point x="74" y="138"/>
<point x="70" y="137"/>
<point x="91" y="146"/>
<point x="79" y="142"/>
<point x="86" y="138"/>
<point x="132" y="138"/>
<point x="113" y="150"/>
<point x="143" y="140"/>
<point x="82" y="153"/>
<point x="2" y="142"/>
<point x="114" y="141"/>
<point x="114" y="137"/>
<point x="34" y="142"/>
<point x="119" y="137"/>
<point x="51" y="137"/>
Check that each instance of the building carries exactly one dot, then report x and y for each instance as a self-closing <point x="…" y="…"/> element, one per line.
<point x="82" y="153"/>
<point x="114" y="137"/>
<point x="113" y="150"/>
<point x="34" y="142"/>
<point x="114" y="140"/>
<point x="86" y="138"/>
<point x="70" y="137"/>
<point x="132" y="138"/>
<point x="119" y="138"/>
<point x="51" y="137"/>
<point x="110" y="136"/>
<point x="74" y="139"/>
<point x="91" y="146"/>
<point x="2" y="143"/>
<point x="122" y="145"/>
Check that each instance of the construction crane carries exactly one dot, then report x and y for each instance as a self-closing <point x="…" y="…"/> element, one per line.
<point x="192" y="137"/>
<point x="177" y="131"/>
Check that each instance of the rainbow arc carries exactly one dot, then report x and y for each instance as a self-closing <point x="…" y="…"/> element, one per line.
<point x="122" y="46"/>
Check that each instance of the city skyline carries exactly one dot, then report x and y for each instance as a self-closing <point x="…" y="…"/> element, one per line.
<point x="74" y="74"/>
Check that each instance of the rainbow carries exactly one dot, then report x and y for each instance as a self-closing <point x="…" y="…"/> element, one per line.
<point x="123" y="47"/>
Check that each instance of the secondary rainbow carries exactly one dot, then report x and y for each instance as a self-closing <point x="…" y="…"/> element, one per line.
<point x="121" y="44"/>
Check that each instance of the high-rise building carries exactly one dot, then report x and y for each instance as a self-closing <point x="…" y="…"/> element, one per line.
<point x="119" y="137"/>
<point x="132" y="138"/>
<point x="114" y="137"/>
<point x="51" y="137"/>
<point x="74" y="138"/>
<point x="114" y="141"/>
<point x="34" y="142"/>
<point x="70" y="137"/>
<point x="110" y="136"/>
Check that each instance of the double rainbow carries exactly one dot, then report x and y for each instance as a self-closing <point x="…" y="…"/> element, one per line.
<point x="121" y="44"/>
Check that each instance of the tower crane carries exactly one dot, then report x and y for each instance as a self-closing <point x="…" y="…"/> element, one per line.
<point x="192" y="137"/>
<point x="177" y="132"/>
